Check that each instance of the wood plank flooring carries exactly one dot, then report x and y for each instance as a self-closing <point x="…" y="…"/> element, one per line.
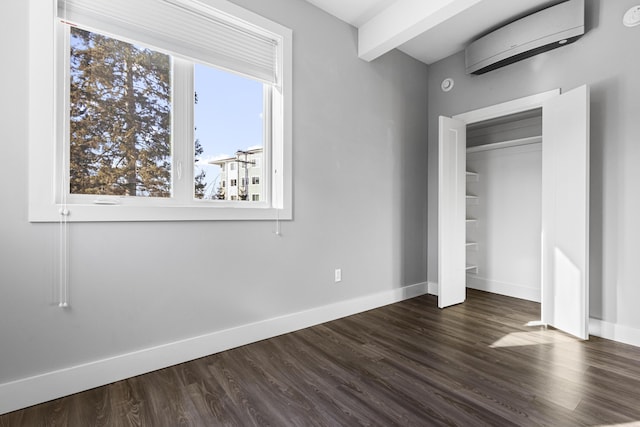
<point x="407" y="364"/>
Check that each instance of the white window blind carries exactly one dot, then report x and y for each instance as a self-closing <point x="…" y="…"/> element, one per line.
<point x="190" y="29"/>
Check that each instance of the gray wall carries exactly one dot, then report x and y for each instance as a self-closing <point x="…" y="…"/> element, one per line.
<point x="359" y="204"/>
<point x="606" y="59"/>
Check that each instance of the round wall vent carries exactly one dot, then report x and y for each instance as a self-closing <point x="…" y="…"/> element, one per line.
<point x="447" y="84"/>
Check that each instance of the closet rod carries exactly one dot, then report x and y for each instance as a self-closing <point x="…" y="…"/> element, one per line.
<point x="505" y="144"/>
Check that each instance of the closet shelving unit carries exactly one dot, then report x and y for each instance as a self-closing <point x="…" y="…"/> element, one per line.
<point x="490" y="144"/>
<point x="471" y="268"/>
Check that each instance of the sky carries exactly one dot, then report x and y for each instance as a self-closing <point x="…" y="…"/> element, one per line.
<point x="228" y="117"/>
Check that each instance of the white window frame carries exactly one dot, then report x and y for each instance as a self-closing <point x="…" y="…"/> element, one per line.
<point x="45" y="200"/>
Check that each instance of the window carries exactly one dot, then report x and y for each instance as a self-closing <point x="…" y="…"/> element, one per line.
<point x="133" y="104"/>
<point x="255" y="180"/>
<point x="120" y="107"/>
<point x="255" y="197"/>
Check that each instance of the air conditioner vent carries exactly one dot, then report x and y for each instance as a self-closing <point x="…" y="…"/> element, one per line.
<point x="539" y="32"/>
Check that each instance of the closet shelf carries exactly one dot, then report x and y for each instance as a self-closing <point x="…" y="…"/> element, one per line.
<point x="471" y="244"/>
<point x="470" y="197"/>
<point x="470" y="268"/>
<point x="469" y="173"/>
<point x="468" y="220"/>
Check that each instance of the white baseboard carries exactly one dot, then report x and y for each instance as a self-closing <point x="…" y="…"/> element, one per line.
<point x="503" y="288"/>
<point x="52" y="385"/>
<point x="614" y="331"/>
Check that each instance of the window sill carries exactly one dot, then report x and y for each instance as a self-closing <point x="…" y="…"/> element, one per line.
<point x="122" y="213"/>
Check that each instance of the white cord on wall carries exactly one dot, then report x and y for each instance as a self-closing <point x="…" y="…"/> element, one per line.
<point x="63" y="292"/>
<point x="63" y="254"/>
<point x="276" y="205"/>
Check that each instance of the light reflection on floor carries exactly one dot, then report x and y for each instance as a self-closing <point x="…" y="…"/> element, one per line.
<point x="538" y="337"/>
<point x="562" y="384"/>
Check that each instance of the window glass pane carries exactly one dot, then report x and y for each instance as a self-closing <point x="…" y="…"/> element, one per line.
<point x="229" y="137"/>
<point x="120" y="118"/>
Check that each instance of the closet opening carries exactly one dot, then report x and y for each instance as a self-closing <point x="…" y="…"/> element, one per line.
<point x="504" y="205"/>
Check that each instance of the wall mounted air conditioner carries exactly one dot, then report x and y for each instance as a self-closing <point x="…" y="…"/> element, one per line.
<point x="539" y="32"/>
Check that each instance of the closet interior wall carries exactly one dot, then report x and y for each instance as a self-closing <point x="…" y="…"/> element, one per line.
<point x="504" y="195"/>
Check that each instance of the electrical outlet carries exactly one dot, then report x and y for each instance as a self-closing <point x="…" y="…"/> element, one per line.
<point x="338" y="275"/>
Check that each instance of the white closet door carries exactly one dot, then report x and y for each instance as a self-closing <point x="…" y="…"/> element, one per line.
<point x="451" y="212"/>
<point x="565" y="212"/>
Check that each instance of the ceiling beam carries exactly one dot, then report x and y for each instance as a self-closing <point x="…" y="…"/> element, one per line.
<point x="402" y="21"/>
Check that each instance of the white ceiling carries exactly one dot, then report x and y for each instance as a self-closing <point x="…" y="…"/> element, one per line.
<point x="428" y="30"/>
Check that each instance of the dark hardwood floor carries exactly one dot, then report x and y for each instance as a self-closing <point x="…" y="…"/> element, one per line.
<point x="404" y="364"/>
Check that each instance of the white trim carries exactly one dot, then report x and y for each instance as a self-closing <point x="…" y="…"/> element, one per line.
<point x="506" y="108"/>
<point x="29" y="391"/>
<point x="614" y="332"/>
<point x="503" y="288"/>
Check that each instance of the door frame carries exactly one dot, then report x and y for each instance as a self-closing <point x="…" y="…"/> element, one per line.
<point x="456" y="296"/>
<point x="506" y="108"/>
